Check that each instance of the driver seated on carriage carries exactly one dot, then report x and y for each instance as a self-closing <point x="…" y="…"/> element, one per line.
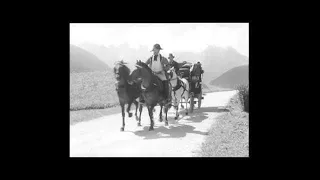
<point x="173" y="63"/>
<point x="160" y="65"/>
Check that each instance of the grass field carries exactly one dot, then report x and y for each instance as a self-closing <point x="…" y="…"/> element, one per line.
<point x="92" y="90"/>
<point x="229" y="136"/>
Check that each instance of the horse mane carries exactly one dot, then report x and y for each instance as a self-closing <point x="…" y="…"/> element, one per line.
<point x="123" y="69"/>
<point x="142" y="64"/>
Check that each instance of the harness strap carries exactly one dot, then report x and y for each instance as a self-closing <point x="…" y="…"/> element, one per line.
<point x="179" y="84"/>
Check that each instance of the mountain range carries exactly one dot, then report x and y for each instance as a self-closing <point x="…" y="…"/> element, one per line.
<point x="215" y="60"/>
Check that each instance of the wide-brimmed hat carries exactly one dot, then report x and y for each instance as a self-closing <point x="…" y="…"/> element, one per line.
<point x="171" y="55"/>
<point x="156" y="46"/>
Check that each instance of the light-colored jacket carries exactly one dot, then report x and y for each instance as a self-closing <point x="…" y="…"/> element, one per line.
<point x="164" y="63"/>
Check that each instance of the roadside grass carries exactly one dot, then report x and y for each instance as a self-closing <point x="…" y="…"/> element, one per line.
<point x="243" y="90"/>
<point x="92" y="90"/>
<point x="229" y="136"/>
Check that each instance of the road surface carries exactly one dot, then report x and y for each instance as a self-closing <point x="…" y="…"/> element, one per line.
<point x="102" y="137"/>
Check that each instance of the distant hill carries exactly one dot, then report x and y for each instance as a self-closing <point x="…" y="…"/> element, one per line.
<point x="84" y="61"/>
<point x="234" y="76"/>
<point x="111" y="54"/>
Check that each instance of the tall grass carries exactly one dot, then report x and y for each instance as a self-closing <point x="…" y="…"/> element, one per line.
<point x="92" y="90"/>
<point x="243" y="90"/>
<point x="229" y="135"/>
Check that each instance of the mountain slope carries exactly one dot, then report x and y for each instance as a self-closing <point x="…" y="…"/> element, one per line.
<point x="111" y="54"/>
<point x="84" y="61"/>
<point x="216" y="60"/>
<point x="233" y="77"/>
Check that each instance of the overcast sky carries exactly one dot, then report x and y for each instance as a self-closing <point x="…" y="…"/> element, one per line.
<point x="193" y="37"/>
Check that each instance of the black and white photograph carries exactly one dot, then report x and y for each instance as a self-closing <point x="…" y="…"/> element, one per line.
<point x="159" y="89"/>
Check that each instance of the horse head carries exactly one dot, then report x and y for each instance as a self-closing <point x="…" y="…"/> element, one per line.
<point x="142" y="74"/>
<point x="171" y="72"/>
<point x="121" y="72"/>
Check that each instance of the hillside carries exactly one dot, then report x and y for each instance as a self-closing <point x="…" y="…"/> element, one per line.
<point x="111" y="54"/>
<point x="84" y="61"/>
<point x="232" y="77"/>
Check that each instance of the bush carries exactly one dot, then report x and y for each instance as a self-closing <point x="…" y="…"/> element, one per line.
<point x="243" y="90"/>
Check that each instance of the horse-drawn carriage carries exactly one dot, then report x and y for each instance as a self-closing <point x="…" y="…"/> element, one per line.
<point x="192" y="73"/>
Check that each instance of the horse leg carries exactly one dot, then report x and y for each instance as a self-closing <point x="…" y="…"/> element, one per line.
<point x="140" y="111"/>
<point x="166" y="109"/>
<point x="180" y="102"/>
<point x="187" y="111"/>
<point x="128" y="109"/>
<point x="176" y="106"/>
<point x="136" y="104"/>
<point x="123" y="116"/>
<point x="160" y="115"/>
<point x="177" y="113"/>
<point x="150" y="110"/>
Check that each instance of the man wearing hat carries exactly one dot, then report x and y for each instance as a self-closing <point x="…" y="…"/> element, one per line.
<point x="159" y="65"/>
<point x="173" y="63"/>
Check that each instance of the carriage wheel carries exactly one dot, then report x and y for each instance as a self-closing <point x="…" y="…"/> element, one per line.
<point x="191" y="103"/>
<point x="199" y="100"/>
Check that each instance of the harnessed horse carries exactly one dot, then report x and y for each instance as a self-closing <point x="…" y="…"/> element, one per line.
<point x="151" y="90"/>
<point x="127" y="93"/>
<point x="180" y="90"/>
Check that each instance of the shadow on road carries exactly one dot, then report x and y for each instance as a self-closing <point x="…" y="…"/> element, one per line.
<point x="199" y="115"/>
<point x="179" y="130"/>
<point x="168" y="132"/>
<point x="217" y="109"/>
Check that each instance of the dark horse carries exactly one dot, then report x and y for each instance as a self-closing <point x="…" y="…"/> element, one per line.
<point x="127" y="93"/>
<point x="151" y="90"/>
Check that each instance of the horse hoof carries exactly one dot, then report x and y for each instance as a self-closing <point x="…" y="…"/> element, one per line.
<point x="160" y="120"/>
<point x="151" y="128"/>
<point x="175" y="118"/>
<point x="139" y="124"/>
<point x="122" y="129"/>
<point x="166" y="124"/>
<point x="186" y="113"/>
<point x="130" y="114"/>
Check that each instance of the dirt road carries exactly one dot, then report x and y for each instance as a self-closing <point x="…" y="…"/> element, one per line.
<point x="102" y="137"/>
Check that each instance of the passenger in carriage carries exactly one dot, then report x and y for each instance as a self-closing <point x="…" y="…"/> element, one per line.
<point x="173" y="63"/>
